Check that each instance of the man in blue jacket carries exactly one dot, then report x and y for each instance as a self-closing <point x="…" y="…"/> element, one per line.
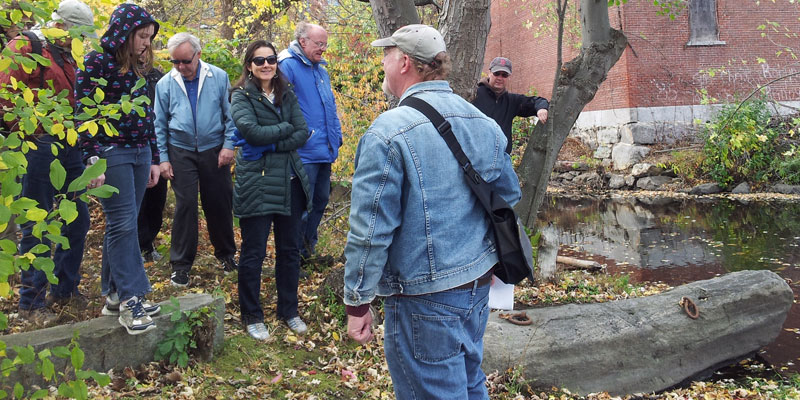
<point x="304" y="67"/>
<point x="194" y="130"/>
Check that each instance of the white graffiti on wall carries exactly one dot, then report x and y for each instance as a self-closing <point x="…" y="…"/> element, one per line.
<point x="731" y="84"/>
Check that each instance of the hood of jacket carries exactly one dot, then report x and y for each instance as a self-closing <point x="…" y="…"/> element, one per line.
<point x="124" y="20"/>
<point x="484" y="84"/>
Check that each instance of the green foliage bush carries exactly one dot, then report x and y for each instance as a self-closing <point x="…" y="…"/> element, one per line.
<point x="180" y="340"/>
<point x="739" y="145"/>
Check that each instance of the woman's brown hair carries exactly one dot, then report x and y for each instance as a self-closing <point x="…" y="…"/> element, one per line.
<point x="127" y="61"/>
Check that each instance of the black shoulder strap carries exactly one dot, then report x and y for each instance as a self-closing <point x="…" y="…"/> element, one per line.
<point x="36" y="43"/>
<point x="446" y="131"/>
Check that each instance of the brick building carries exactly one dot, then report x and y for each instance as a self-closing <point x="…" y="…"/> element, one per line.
<point x="654" y="91"/>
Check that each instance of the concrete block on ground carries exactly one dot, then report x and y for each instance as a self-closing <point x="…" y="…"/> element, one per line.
<point x="625" y="155"/>
<point x="106" y="344"/>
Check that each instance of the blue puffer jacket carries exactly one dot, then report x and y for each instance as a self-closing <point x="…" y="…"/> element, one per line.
<point x="313" y="88"/>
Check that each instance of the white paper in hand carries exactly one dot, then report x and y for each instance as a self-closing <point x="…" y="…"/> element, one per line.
<point x="501" y="295"/>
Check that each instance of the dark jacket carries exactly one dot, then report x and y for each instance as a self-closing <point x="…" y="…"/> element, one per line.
<point x="134" y="130"/>
<point x="263" y="186"/>
<point x="505" y="107"/>
<point x="62" y="78"/>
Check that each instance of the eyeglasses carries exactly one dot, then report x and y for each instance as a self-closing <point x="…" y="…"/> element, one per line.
<point x="186" y="62"/>
<point x="321" y="45"/>
<point x="259" y="61"/>
<point x="500" y="73"/>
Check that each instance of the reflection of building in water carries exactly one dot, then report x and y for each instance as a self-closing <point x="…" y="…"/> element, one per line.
<point x="677" y="234"/>
<point x="634" y="234"/>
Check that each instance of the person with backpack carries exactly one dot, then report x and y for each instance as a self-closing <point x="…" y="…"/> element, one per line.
<point x="71" y="15"/>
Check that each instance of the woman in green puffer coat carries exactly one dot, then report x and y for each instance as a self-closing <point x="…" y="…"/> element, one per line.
<point x="271" y="185"/>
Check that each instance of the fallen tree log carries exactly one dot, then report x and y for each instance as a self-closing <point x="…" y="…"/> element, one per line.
<point x="645" y="344"/>
<point x="574" y="263"/>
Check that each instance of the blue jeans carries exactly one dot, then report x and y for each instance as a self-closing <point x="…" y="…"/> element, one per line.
<point x="434" y="344"/>
<point x="36" y="185"/>
<point x="128" y="170"/>
<point x="255" y="232"/>
<point x="319" y="178"/>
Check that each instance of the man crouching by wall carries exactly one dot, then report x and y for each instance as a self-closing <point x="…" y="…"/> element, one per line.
<point x="419" y="236"/>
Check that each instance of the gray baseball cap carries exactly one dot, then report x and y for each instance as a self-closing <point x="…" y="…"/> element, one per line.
<point x="422" y="42"/>
<point x="75" y="13"/>
<point x="500" y="64"/>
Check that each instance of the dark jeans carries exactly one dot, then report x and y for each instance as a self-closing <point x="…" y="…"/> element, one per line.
<point x="192" y="170"/>
<point x="255" y="232"/>
<point x="36" y="185"/>
<point x="319" y="178"/>
<point x="150" y="212"/>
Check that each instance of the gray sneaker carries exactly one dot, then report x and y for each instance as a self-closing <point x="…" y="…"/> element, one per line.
<point x="297" y="325"/>
<point x="112" y="305"/>
<point x="258" y="331"/>
<point x="133" y="317"/>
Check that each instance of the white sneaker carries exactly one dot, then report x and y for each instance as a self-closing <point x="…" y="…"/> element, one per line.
<point x="133" y="317"/>
<point x="297" y="325"/>
<point x="112" y="305"/>
<point x="258" y="331"/>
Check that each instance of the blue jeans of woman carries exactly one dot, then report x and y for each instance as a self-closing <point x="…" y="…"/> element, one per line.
<point x="434" y="344"/>
<point x="255" y="232"/>
<point x="36" y="185"/>
<point x="128" y="170"/>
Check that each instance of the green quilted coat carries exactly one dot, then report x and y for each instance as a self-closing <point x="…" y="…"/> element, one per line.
<point x="262" y="186"/>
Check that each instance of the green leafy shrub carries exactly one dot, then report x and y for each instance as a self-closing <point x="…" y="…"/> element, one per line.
<point x="739" y="145"/>
<point x="789" y="167"/>
<point x="181" y="340"/>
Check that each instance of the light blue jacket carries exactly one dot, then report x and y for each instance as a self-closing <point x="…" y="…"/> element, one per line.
<point x="415" y="225"/>
<point x="312" y="85"/>
<point x="174" y="123"/>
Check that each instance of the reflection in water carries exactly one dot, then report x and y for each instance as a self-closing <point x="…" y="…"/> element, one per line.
<point x="677" y="241"/>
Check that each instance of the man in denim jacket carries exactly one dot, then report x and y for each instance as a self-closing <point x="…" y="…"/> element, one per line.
<point x="417" y="232"/>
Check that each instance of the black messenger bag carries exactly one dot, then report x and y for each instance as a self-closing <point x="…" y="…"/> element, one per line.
<point x="513" y="246"/>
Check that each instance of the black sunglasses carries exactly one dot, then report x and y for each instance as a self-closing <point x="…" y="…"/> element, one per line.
<point x="259" y="61"/>
<point x="187" y="62"/>
<point x="501" y="73"/>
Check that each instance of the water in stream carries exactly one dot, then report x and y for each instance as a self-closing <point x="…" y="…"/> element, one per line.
<point x="681" y="241"/>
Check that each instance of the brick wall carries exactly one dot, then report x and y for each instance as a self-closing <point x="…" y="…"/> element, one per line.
<point x="658" y="68"/>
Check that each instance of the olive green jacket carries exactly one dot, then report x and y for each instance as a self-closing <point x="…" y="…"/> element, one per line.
<point x="263" y="186"/>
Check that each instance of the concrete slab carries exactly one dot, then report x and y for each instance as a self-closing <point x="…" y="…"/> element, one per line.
<point x="105" y="343"/>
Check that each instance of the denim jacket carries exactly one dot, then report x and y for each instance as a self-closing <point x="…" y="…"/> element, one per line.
<point x="174" y="123"/>
<point x="415" y="225"/>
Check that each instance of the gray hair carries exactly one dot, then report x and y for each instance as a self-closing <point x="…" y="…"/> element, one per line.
<point x="181" y="38"/>
<point x="301" y="31"/>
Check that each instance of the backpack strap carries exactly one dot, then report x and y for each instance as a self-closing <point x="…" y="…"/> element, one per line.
<point x="36" y="48"/>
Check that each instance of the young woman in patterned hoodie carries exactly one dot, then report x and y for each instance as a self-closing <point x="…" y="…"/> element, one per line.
<point x="130" y="154"/>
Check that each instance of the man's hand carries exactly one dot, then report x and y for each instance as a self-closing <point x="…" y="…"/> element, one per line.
<point x="97" y="182"/>
<point x="360" y="328"/>
<point x="225" y="157"/>
<point x="542" y="115"/>
<point x="166" y="170"/>
<point x="155" y="170"/>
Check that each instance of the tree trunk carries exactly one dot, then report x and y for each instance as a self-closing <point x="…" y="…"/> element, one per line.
<point x="465" y="27"/>
<point x="391" y="15"/>
<point x="226" y="31"/>
<point x="463" y="23"/>
<point x="577" y="84"/>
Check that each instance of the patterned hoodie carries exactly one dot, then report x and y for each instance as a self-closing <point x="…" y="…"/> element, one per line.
<point x="134" y="130"/>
